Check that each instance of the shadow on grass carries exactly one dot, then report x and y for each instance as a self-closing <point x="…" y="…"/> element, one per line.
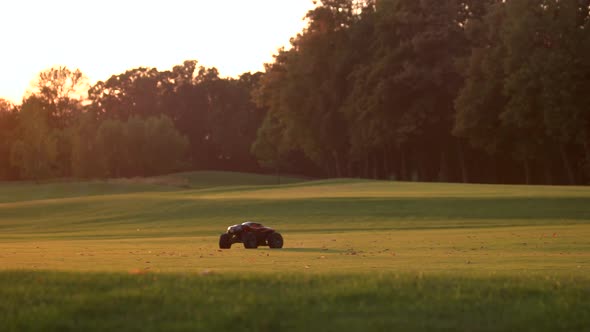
<point x="316" y="250"/>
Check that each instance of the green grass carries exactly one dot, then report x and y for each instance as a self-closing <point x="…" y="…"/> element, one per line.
<point x="81" y="302"/>
<point x="141" y="254"/>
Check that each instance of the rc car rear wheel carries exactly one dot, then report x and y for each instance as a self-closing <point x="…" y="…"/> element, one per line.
<point x="224" y="241"/>
<point x="250" y="241"/>
<point x="275" y="240"/>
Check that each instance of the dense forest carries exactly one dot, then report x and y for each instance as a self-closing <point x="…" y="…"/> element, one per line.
<point x="494" y="91"/>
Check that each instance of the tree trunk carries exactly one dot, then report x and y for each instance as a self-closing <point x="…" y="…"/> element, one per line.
<point x="495" y="178"/>
<point x="587" y="163"/>
<point x="442" y="170"/>
<point x="421" y="172"/>
<point x="367" y="167"/>
<point x="328" y="167"/>
<point x="278" y="169"/>
<point x="337" y="164"/>
<point x="375" y="167"/>
<point x="461" y="156"/>
<point x="548" y="173"/>
<point x="403" y="170"/>
<point x="527" y="171"/>
<point x="567" y="165"/>
<point x="385" y="164"/>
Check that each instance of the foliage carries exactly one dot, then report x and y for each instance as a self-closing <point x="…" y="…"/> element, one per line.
<point x="139" y="123"/>
<point x="8" y="125"/>
<point x="34" y="152"/>
<point x="216" y="115"/>
<point x="461" y="90"/>
<point x="62" y="92"/>
<point x="86" y="162"/>
<point x="140" y="147"/>
<point x="521" y="94"/>
<point x="394" y="89"/>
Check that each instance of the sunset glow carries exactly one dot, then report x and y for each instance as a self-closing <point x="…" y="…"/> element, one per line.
<point x="101" y="40"/>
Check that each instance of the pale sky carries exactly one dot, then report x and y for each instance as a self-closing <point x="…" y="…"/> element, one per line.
<point x="107" y="37"/>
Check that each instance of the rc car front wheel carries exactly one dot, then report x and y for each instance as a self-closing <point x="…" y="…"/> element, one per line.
<point x="224" y="241"/>
<point x="275" y="240"/>
<point x="250" y="241"/>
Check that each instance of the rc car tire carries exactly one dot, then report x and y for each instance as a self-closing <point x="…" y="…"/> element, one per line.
<point x="250" y="241"/>
<point x="224" y="241"/>
<point x="275" y="240"/>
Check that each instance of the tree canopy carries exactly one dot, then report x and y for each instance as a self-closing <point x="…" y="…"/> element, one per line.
<point x="459" y="90"/>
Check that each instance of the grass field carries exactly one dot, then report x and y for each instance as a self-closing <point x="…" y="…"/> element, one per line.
<point x="142" y="255"/>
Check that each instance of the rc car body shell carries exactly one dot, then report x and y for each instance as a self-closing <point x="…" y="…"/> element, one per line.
<point x="252" y="235"/>
<point x="249" y="226"/>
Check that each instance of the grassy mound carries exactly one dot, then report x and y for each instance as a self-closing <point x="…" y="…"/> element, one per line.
<point x="28" y="191"/>
<point x="206" y="179"/>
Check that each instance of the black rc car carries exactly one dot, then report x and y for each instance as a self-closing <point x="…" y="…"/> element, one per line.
<point x="252" y="235"/>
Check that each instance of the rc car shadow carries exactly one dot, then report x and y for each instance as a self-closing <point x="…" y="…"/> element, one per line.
<point x="317" y="250"/>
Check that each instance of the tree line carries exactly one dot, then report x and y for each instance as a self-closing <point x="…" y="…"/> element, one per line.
<point x="455" y="90"/>
<point x="142" y="122"/>
<point x="489" y="91"/>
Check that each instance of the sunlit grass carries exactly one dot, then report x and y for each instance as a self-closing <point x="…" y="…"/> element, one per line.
<point x="387" y="255"/>
<point x="546" y="250"/>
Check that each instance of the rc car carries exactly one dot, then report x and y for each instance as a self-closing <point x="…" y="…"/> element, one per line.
<point x="252" y="235"/>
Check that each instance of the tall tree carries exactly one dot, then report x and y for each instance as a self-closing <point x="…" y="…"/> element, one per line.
<point x="135" y="92"/>
<point x="62" y="92"/>
<point x="563" y="72"/>
<point x="139" y="147"/>
<point x="34" y="152"/>
<point x="403" y="94"/>
<point x="165" y="148"/>
<point x="481" y="99"/>
<point x="87" y="161"/>
<point x="234" y="120"/>
<point x="112" y="147"/>
<point x="306" y="85"/>
<point x="271" y="147"/>
<point x="523" y="93"/>
<point x="8" y="124"/>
